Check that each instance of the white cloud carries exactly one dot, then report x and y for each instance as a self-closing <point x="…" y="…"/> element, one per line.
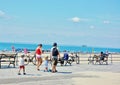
<point x="2" y="14"/>
<point x="106" y="22"/>
<point x="75" y="19"/>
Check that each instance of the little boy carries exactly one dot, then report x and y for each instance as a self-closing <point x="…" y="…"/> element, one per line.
<point x="46" y="64"/>
<point x="21" y="65"/>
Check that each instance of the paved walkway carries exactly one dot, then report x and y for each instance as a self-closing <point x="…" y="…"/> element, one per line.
<point x="68" y="75"/>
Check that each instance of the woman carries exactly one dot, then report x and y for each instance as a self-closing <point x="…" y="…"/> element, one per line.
<point x="38" y="56"/>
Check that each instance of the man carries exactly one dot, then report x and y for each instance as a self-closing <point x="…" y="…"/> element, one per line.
<point x="54" y="56"/>
<point x="65" y="57"/>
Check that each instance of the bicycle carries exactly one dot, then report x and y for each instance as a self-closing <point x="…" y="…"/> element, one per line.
<point x="28" y="58"/>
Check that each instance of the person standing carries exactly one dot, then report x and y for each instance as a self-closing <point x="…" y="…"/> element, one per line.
<point x="46" y="64"/>
<point x="38" y="53"/>
<point x="21" y="65"/>
<point x="54" y="55"/>
<point x="13" y="48"/>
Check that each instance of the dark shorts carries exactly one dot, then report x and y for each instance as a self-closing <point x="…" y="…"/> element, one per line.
<point x="54" y="61"/>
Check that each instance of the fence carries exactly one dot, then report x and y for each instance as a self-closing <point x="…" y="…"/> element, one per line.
<point x="112" y="58"/>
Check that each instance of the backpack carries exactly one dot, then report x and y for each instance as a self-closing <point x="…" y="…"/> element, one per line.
<point x="54" y="52"/>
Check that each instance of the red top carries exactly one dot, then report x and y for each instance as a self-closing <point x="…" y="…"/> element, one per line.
<point x="38" y="51"/>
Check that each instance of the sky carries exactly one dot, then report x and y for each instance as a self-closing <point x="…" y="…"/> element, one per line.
<point x="67" y="22"/>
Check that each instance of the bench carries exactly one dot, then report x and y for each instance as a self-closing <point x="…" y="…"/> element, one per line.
<point x="90" y="60"/>
<point x="70" y="60"/>
<point x="7" y="58"/>
<point x="96" y="60"/>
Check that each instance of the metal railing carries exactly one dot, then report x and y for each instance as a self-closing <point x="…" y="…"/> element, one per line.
<point x="83" y="57"/>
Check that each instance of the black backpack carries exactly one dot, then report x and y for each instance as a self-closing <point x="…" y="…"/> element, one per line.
<point x="55" y="52"/>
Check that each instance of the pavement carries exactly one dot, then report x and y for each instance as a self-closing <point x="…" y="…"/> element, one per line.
<point x="67" y="75"/>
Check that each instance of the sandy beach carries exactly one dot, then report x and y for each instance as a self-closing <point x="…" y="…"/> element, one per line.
<point x="77" y="74"/>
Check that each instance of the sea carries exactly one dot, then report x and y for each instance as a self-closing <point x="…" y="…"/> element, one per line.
<point x="5" y="46"/>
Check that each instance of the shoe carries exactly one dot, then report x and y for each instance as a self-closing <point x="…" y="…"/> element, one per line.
<point x="24" y="73"/>
<point x="19" y="73"/>
<point x="49" y="70"/>
<point x="53" y="71"/>
<point x="56" y="71"/>
<point x="38" y="69"/>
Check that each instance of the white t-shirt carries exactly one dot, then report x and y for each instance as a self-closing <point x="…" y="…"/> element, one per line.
<point x="21" y="61"/>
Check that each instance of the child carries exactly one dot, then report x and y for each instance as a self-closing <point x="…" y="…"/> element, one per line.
<point x="21" y="65"/>
<point x="46" y="64"/>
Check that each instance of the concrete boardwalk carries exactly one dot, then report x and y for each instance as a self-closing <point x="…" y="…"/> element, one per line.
<point x="77" y="74"/>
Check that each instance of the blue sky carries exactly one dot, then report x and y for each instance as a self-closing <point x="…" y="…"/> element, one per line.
<point x="67" y="22"/>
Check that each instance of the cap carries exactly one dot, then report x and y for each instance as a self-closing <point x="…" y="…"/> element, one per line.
<point x="54" y="44"/>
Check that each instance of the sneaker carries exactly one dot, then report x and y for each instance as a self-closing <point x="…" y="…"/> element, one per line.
<point x="38" y="69"/>
<point x="24" y="73"/>
<point x="56" y="71"/>
<point x="53" y="71"/>
<point x="49" y="70"/>
<point x="19" y="73"/>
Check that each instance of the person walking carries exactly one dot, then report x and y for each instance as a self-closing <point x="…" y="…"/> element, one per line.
<point x="54" y="56"/>
<point x="46" y="64"/>
<point x="21" y="65"/>
<point x="38" y="53"/>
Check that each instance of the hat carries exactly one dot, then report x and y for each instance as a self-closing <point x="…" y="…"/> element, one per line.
<point x="54" y="44"/>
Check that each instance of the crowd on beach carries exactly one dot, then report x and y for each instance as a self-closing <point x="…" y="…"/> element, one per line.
<point x="54" y="57"/>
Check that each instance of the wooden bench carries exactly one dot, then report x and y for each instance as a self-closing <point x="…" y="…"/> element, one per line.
<point x="96" y="60"/>
<point x="7" y="58"/>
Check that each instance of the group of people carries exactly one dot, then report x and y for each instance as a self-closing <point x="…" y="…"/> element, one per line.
<point x="102" y="57"/>
<point x="54" y="56"/>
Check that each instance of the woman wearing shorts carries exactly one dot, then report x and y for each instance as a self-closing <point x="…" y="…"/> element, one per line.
<point x="38" y="56"/>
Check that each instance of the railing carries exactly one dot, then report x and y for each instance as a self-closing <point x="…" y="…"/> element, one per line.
<point x="112" y="58"/>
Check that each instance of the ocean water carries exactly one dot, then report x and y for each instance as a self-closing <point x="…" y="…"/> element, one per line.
<point x="32" y="47"/>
